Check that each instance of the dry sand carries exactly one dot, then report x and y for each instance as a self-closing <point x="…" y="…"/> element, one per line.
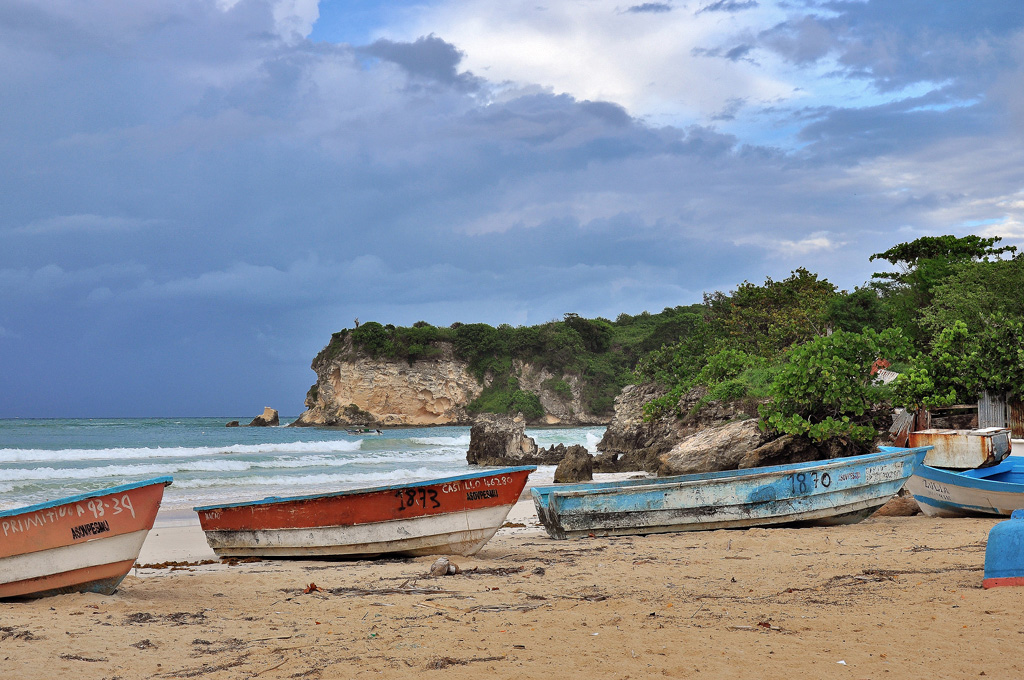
<point x="887" y="598"/>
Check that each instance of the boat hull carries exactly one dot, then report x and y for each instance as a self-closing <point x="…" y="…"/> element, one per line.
<point x="455" y="515"/>
<point x="987" y="492"/>
<point x="838" y="491"/>
<point x="85" y="543"/>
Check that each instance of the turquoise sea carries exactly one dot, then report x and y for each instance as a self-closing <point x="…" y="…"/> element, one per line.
<point x="42" y="460"/>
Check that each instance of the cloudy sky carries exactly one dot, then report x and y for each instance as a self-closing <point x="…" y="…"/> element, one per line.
<point x="194" y="194"/>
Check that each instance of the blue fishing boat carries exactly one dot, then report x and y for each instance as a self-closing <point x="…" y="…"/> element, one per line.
<point x="994" y="491"/>
<point x="837" y="491"/>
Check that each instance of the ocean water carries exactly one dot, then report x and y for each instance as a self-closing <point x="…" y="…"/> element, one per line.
<point x="42" y="460"/>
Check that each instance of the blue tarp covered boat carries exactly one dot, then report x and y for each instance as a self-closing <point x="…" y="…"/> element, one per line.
<point x="990" y="491"/>
<point x="837" y="491"/>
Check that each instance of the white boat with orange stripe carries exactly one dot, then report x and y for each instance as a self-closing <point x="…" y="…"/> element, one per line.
<point x="451" y="516"/>
<point x="83" y="543"/>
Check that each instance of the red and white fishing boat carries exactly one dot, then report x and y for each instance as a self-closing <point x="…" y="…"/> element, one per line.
<point x="450" y="516"/>
<point x="84" y="543"/>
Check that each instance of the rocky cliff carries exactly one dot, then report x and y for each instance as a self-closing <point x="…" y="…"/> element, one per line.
<point x="354" y="389"/>
<point x="631" y="443"/>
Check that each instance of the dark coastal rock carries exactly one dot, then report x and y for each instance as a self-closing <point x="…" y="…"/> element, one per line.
<point x="712" y="449"/>
<point x="501" y="440"/>
<point x="631" y="443"/>
<point x="233" y="423"/>
<point x="268" y="419"/>
<point x="794" y="449"/>
<point x="577" y="465"/>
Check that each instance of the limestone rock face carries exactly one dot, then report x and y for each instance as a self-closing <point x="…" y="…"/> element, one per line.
<point x="560" y="408"/>
<point x="502" y="440"/>
<point x="354" y="389"/>
<point x="359" y="390"/>
<point x="268" y="419"/>
<point x="712" y="449"/>
<point x="577" y="465"/>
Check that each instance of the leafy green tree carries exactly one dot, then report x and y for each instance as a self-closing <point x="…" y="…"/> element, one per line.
<point x="825" y="387"/>
<point x="853" y="312"/>
<point x="975" y="291"/>
<point x="962" y="363"/>
<point x="923" y="265"/>
<point x="765" y="320"/>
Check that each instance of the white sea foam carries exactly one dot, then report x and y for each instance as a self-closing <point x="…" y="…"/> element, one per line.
<point x="45" y="455"/>
<point x="461" y="441"/>
<point x="299" y="481"/>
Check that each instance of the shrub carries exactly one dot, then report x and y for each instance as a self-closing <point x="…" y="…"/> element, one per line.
<point x="825" y="387"/>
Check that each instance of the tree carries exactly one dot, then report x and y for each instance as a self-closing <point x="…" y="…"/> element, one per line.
<point x="924" y="264"/>
<point x="863" y="308"/>
<point x="975" y="291"/>
<point x="962" y="363"/>
<point x="765" y="320"/>
<point x="826" y="389"/>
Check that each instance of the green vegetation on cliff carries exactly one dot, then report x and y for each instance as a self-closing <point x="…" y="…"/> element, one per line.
<point x="601" y="354"/>
<point x="951" y="319"/>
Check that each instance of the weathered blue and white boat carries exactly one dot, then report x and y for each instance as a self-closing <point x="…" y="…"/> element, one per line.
<point x="837" y="491"/>
<point x="990" y="491"/>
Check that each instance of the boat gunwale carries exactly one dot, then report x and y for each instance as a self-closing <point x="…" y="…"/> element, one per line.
<point x="78" y="498"/>
<point x="543" y="493"/>
<point x="975" y="481"/>
<point x="276" y="500"/>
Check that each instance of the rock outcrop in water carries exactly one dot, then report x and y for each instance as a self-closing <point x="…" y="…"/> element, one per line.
<point x="577" y="465"/>
<point x="269" y="418"/>
<point x="502" y="440"/>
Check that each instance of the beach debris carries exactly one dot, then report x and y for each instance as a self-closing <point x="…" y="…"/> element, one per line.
<point x="79" y="657"/>
<point x="491" y="571"/>
<point x="446" y="661"/>
<point x="312" y="588"/>
<point x="444" y="567"/>
<point x="10" y="632"/>
<point x="175" y="565"/>
<point x="412" y="590"/>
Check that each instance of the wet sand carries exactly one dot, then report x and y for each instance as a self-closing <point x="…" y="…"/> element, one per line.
<point x="887" y="598"/>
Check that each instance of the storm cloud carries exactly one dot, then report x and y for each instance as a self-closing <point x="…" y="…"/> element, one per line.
<point x="197" y="194"/>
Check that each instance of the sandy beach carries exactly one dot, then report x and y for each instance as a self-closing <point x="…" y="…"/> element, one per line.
<point x="896" y="597"/>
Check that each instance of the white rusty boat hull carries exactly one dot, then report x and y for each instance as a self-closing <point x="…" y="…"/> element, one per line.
<point x="454" y="516"/>
<point x="456" y="534"/>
